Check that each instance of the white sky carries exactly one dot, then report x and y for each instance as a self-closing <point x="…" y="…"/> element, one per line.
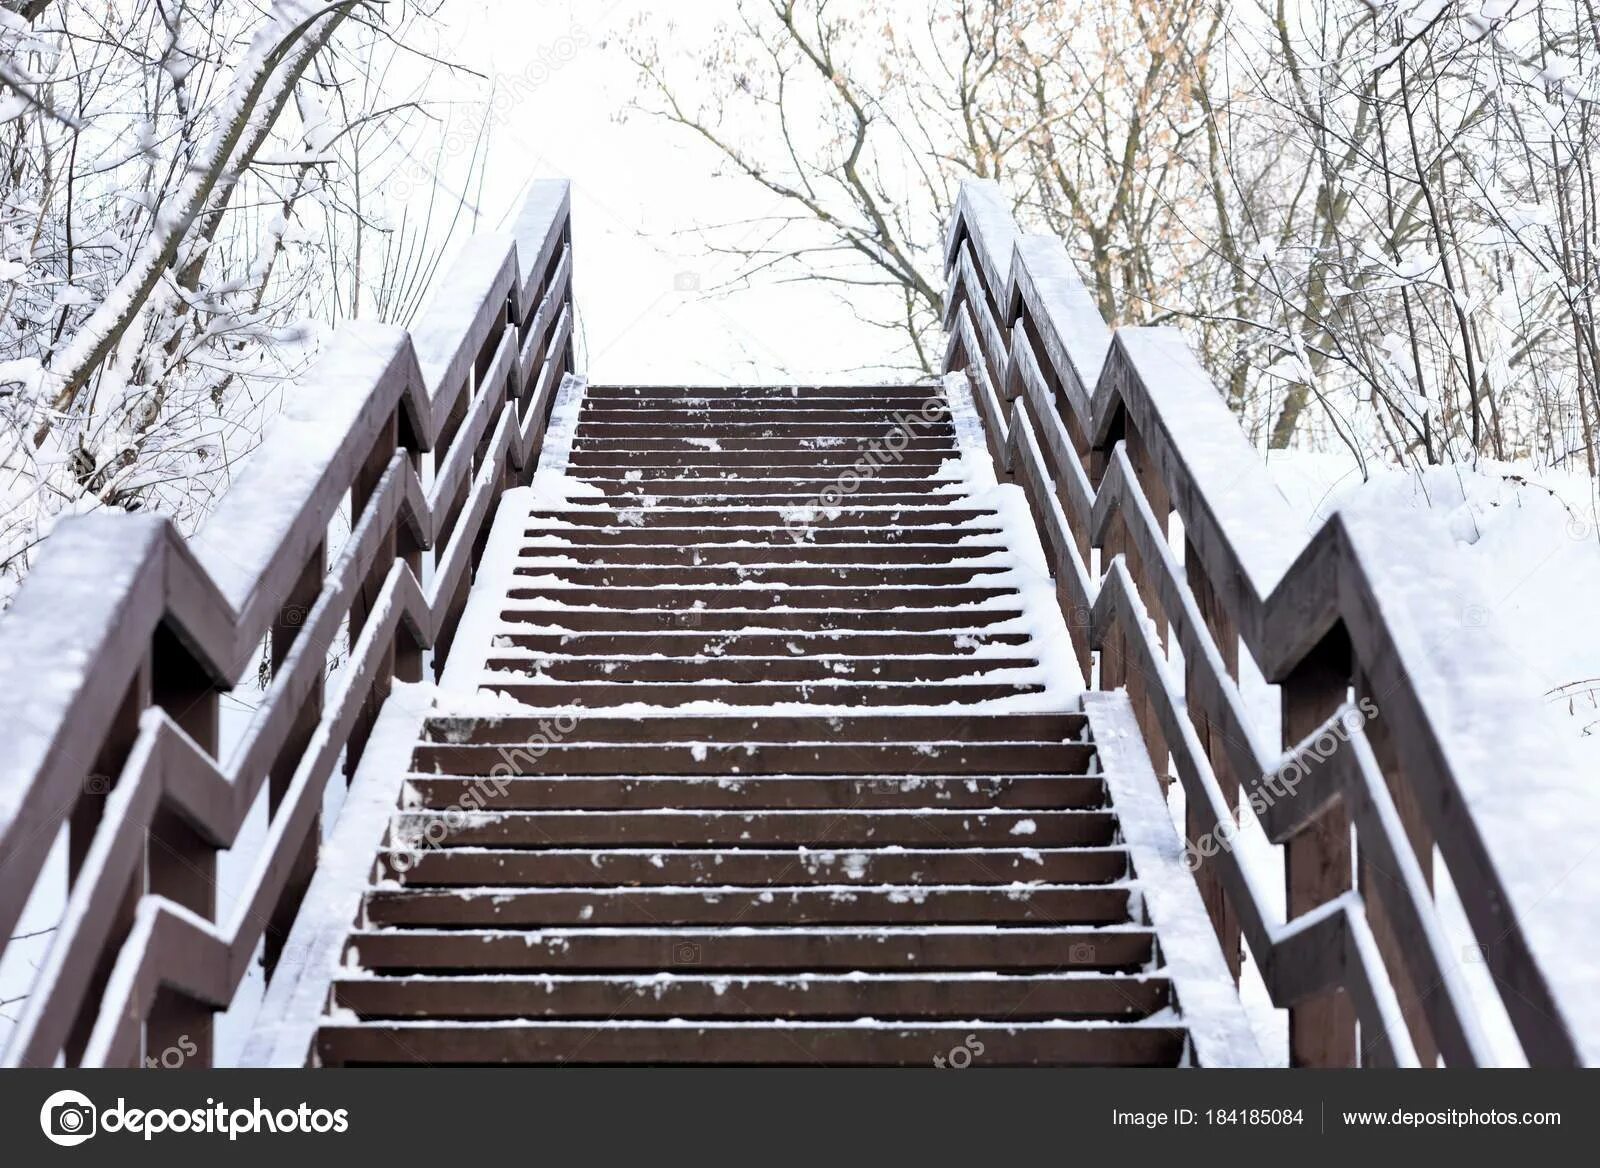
<point x="640" y="189"/>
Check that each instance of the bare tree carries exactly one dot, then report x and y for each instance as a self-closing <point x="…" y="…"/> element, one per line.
<point x="180" y="181"/>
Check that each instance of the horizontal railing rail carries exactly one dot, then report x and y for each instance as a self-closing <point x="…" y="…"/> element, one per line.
<point x="1416" y="745"/>
<point x="123" y="637"/>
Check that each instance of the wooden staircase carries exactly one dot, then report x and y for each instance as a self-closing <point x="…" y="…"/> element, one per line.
<point x="780" y="771"/>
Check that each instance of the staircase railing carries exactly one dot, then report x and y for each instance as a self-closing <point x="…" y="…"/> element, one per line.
<point x="123" y="637"/>
<point x="1416" y="748"/>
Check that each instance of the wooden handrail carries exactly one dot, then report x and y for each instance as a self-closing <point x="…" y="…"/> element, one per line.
<point x="1405" y="717"/>
<point x="122" y="638"/>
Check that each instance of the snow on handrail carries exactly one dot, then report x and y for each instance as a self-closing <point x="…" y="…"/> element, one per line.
<point x="1390" y="604"/>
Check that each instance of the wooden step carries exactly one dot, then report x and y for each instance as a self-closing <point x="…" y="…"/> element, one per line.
<point x="887" y="446"/>
<point x="817" y="410"/>
<point x="669" y="695"/>
<point x="1011" y="998"/>
<point x="719" y="494"/>
<point x="965" y="726"/>
<point x="814" y="620"/>
<point x="909" y="947"/>
<point x="760" y="758"/>
<point x="906" y="670"/>
<point x="692" y="644"/>
<point x="926" y="466"/>
<point x="677" y="577"/>
<point x="718" y="792"/>
<point x="755" y="828"/>
<point x="879" y="540"/>
<point x="1096" y="1044"/>
<point x="536" y="908"/>
<point x="753" y="867"/>
<point x="716" y="431"/>
<point x="796" y="552"/>
<point x="849" y="516"/>
<point x="918" y="391"/>
<point x="755" y="598"/>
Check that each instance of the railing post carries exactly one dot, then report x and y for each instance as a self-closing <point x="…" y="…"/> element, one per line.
<point x="1317" y="861"/>
<point x="180" y="865"/>
<point x="361" y="491"/>
<point x="1223" y="915"/>
<point x="1369" y="875"/>
<point x="408" y="650"/>
<point x="287" y="629"/>
<point x="1144" y="575"/>
<point x="83" y="821"/>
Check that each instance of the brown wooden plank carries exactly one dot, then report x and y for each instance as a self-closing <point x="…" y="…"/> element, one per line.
<point x="1017" y="949"/>
<point x="881" y="905"/>
<point x="754" y="597"/>
<point x="829" y="828"/>
<point x="957" y="725"/>
<point x="643" y="867"/>
<point x="1077" y="1044"/>
<point x="758" y="996"/>
<point x="667" y="695"/>
<point x="803" y="620"/>
<point x="721" y="792"/>
<point x="759" y="758"/>
<point x="725" y="667"/>
<point x="676" y="577"/>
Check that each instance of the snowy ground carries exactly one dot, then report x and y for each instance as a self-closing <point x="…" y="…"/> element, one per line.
<point x="1531" y="537"/>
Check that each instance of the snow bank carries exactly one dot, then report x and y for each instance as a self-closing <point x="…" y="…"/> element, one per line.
<point x="1531" y="539"/>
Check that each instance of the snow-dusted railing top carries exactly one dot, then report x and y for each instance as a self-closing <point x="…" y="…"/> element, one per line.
<point x="1406" y="714"/>
<point x="123" y="636"/>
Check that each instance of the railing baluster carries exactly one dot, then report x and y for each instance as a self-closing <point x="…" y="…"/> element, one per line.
<point x="1369" y="873"/>
<point x="181" y="864"/>
<point x="1223" y="915"/>
<point x="287" y="629"/>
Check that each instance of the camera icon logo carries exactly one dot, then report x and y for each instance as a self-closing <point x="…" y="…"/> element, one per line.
<point x="686" y="953"/>
<point x="68" y="1118"/>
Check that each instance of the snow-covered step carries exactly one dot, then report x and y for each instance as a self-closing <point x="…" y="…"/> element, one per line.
<point x="958" y="948"/>
<point x="807" y="754"/>
<point x="796" y="523"/>
<point x="503" y="906"/>
<point x="818" y="409"/>
<point x="691" y="644"/>
<point x="734" y="668"/>
<point x="829" y="828"/>
<point x="916" y="555"/>
<point x="1024" y="998"/>
<point x="724" y="792"/>
<point x="1157" y="1042"/>
<point x="755" y="597"/>
<point x="756" y="396"/>
<point x="514" y="617"/>
<point x="765" y="574"/>
<point x="644" y="696"/>
<point x="963" y="726"/>
<point x="642" y="867"/>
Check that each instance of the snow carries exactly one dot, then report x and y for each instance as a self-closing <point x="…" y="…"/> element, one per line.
<point x="1526" y="544"/>
<point x="313" y="952"/>
<point x="1204" y="987"/>
<point x="1528" y="538"/>
<point x="331" y="408"/>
